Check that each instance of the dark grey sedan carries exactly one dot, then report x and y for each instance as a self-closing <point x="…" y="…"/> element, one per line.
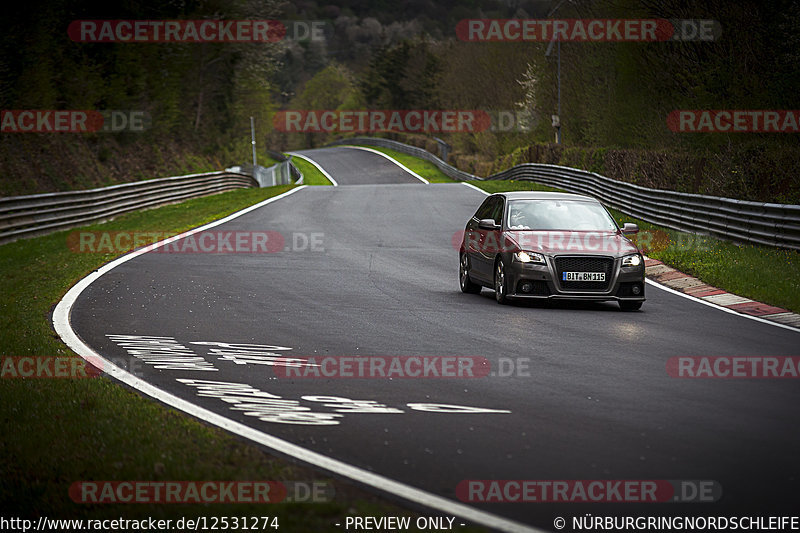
<point x="546" y="245"/>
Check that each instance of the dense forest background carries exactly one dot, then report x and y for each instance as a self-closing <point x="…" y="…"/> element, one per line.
<point x="404" y="54"/>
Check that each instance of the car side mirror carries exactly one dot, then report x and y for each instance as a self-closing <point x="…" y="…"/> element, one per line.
<point x="630" y="228"/>
<point x="487" y="223"/>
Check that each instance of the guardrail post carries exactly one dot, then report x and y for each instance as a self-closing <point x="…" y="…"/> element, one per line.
<point x="444" y="149"/>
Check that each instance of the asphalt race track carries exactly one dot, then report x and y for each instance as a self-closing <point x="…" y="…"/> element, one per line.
<point x="369" y="269"/>
<point x="348" y="167"/>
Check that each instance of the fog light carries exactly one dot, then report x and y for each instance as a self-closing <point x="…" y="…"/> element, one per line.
<point x="636" y="290"/>
<point x="527" y="287"/>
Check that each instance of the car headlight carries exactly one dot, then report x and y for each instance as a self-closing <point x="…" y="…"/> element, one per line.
<point x="633" y="260"/>
<point x="529" y="257"/>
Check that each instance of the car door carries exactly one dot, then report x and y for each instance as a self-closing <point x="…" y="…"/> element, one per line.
<point x="474" y="236"/>
<point x="488" y="239"/>
<point x="492" y="240"/>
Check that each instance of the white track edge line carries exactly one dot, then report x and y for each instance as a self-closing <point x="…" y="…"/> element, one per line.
<point x="721" y="307"/>
<point x="693" y="298"/>
<point x="63" y="326"/>
<point x="390" y="158"/>
<point x="324" y="172"/>
<point x="471" y="186"/>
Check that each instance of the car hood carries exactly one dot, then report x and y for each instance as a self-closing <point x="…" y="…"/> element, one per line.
<point x="556" y="242"/>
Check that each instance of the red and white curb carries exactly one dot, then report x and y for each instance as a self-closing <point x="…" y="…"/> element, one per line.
<point x="669" y="277"/>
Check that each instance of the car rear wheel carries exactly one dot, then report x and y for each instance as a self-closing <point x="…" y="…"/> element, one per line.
<point x="467" y="285"/>
<point x="630" y="306"/>
<point x="500" y="282"/>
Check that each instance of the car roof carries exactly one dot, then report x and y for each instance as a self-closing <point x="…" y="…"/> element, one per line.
<point x="541" y="195"/>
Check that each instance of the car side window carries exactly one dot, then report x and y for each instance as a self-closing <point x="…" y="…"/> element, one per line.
<point x="486" y="209"/>
<point x="497" y="212"/>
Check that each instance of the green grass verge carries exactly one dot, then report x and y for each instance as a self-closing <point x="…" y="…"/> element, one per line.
<point x="426" y="169"/>
<point x="503" y="186"/>
<point x="311" y="175"/>
<point x="58" y="431"/>
<point x="762" y="273"/>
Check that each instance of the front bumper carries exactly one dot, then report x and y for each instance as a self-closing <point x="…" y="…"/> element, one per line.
<point x="538" y="281"/>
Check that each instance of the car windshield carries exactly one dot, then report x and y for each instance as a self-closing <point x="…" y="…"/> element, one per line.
<point x="566" y="215"/>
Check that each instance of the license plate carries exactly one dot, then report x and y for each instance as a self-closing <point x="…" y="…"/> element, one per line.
<point x="583" y="276"/>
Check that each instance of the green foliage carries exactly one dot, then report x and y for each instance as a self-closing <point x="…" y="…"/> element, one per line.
<point x="404" y="76"/>
<point x="331" y="88"/>
<point x="615" y="98"/>
<point x="199" y="96"/>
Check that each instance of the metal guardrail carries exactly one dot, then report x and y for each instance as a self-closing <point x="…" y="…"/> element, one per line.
<point x="727" y="218"/>
<point x="278" y="156"/>
<point x="278" y="174"/>
<point x="736" y="220"/>
<point x="27" y="216"/>
<point x="297" y="175"/>
<point x="287" y="169"/>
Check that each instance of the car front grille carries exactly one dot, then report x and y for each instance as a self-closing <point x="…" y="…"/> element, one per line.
<point x="584" y="263"/>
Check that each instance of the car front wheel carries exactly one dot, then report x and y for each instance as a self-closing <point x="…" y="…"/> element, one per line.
<point x="630" y="306"/>
<point x="500" y="282"/>
<point x="467" y="285"/>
